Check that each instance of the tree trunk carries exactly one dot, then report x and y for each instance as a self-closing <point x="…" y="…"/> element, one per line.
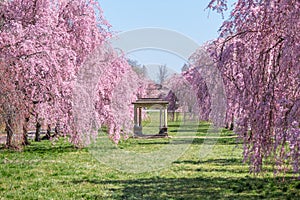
<point x="177" y="116"/>
<point x="230" y="124"/>
<point x="38" y="132"/>
<point x="231" y="127"/>
<point x="173" y="115"/>
<point x="48" y="133"/>
<point x="9" y="132"/>
<point x="25" y="132"/>
<point x="56" y="130"/>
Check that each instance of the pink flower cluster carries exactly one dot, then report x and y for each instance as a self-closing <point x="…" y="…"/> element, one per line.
<point x="258" y="56"/>
<point x="44" y="45"/>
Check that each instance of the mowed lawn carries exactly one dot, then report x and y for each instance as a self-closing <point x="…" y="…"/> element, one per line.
<point x="208" y="167"/>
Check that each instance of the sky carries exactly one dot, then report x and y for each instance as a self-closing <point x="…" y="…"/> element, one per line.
<point x="189" y="18"/>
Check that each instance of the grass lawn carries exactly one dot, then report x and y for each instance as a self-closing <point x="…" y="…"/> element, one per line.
<point x="208" y="167"/>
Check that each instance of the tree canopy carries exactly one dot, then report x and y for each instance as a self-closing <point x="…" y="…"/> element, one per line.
<point x="44" y="46"/>
<point x="258" y="55"/>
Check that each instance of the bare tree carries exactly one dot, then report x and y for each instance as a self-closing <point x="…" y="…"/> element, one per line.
<point x="140" y="70"/>
<point x="162" y="74"/>
<point x="185" y="67"/>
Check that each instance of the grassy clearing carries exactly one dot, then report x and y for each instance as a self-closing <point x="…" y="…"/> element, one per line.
<point x="59" y="171"/>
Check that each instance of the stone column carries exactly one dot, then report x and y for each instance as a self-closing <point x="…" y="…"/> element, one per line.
<point x="135" y="115"/>
<point x="160" y="119"/>
<point x="166" y="117"/>
<point x="140" y="116"/>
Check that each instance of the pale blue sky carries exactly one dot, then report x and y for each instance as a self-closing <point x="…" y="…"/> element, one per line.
<point x="188" y="17"/>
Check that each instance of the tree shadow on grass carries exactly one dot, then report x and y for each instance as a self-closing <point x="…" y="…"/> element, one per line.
<point x="216" y="141"/>
<point x="231" y="165"/>
<point x="45" y="147"/>
<point x="198" y="188"/>
<point x="220" y="162"/>
<point x="183" y="131"/>
<point x="153" y="142"/>
<point x="174" y="125"/>
<point x="202" y="130"/>
<point x="187" y="140"/>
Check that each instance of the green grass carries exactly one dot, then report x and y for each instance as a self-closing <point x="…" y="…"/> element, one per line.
<point x="210" y="168"/>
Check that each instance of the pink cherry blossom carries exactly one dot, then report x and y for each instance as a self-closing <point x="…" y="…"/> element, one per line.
<point x="258" y="56"/>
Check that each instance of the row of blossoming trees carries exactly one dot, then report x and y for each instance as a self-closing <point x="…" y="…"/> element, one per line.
<point x="48" y="50"/>
<point x="258" y="58"/>
<point x="56" y="68"/>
